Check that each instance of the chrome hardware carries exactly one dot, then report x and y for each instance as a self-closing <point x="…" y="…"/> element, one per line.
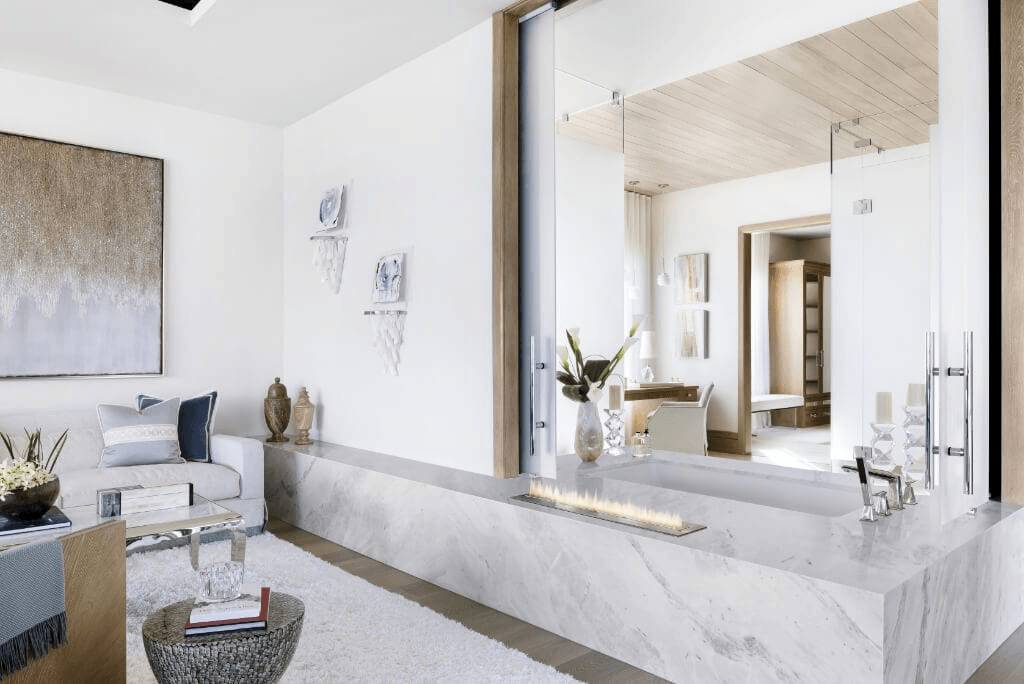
<point x="534" y="367"/>
<point x="930" y="449"/>
<point x="882" y="504"/>
<point x="893" y="478"/>
<point x="967" y="373"/>
<point x="908" y="493"/>
<point x="860" y="453"/>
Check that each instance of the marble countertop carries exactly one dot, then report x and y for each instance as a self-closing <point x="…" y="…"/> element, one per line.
<point x="875" y="557"/>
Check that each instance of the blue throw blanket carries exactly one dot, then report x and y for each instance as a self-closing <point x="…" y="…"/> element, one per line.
<point x="32" y="617"/>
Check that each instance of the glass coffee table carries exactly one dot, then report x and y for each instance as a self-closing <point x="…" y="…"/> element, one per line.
<point x="143" y="530"/>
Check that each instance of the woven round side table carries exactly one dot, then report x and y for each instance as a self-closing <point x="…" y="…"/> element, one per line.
<point x="259" y="655"/>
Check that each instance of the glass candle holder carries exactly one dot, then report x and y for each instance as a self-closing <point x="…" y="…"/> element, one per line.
<point x="882" y="443"/>
<point x="614" y="438"/>
<point x="221" y="581"/>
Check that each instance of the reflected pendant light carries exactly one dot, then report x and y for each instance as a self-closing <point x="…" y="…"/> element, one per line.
<point x="663" y="278"/>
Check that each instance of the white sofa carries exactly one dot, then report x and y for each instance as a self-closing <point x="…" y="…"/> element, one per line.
<point x="234" y="479"/>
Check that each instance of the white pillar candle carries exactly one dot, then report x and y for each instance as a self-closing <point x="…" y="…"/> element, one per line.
<point x="915" y="394"/>
<point x="883" y="407"/>
<point x="615" y="397"/>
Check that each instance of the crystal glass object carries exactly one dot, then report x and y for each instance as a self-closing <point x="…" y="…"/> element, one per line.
<point x="882" y="443"/>
<point x="614" y="438"/>
<point x="221" y="581"/>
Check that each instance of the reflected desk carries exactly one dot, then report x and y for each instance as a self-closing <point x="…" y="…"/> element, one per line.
<point x="645" y="397"/>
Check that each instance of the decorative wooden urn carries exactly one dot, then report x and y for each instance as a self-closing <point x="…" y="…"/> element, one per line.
<point x="277" y="409"/>
<point x="303" y="417"/>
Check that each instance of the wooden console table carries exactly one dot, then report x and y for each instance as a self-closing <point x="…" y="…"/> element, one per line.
<point x="647" y="397"/>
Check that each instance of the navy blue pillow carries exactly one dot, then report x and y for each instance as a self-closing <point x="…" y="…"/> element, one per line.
<point x="195" y="424"/>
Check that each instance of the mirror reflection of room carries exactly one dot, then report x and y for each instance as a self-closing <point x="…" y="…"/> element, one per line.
<point x="738" y="185"/>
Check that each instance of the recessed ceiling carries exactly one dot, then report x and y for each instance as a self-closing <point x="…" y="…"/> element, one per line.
<point x="261" y="60"/>
<point x="774" y="111"/>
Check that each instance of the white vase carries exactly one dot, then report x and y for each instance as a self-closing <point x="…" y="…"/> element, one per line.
<point x="589" y="436"/>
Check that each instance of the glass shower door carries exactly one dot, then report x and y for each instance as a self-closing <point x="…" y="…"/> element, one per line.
<point x="884" y="294"/>
<point x="909" y="312"/>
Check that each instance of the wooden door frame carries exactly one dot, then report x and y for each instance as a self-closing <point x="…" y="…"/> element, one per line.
<point x="743" y="376"/>
<point x="505" y="234"/>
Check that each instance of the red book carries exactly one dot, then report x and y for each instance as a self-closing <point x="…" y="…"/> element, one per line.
<point x="197" y="625"/>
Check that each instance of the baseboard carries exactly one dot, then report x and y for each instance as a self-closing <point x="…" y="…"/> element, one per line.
<point x="724" y="441"/>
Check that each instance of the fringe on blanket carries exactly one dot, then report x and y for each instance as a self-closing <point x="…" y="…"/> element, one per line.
<point x="33" y="643"/>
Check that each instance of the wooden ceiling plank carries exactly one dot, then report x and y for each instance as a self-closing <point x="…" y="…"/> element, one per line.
<point x="779" y="119"/>
<point x="760" y="136"/>
<point x="893" y="51"/>
<point x="832" y="53"/>
<point x="826" y="75"/>
<point x="925" y="113"/>
<point x="913" y="42"/>
<point x="867" y="54"/>
<point x="932" y="6"/>
<point x="911" y="134"/>
<point x="691" y="132"/>
<point x="757" y="87"/>
<point x="922" y="21"/>
<point x="921" y="129"/>
<point x="839" y="109"/>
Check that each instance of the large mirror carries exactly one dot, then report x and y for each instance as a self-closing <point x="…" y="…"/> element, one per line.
<point x="766" y="206"/>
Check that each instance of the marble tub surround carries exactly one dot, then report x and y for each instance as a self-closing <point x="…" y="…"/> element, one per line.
<point x="762" y="593"/>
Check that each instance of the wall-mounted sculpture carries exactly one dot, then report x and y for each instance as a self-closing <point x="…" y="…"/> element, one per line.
<point x="388" y="327"/>
<point x="329" y="244"/>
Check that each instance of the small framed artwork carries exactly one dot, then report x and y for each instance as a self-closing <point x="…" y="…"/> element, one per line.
<point x="692" y="278"/>
<point x="693" y="334"/>
<point x="387" y="281"/>
<point x="332" y="208"/>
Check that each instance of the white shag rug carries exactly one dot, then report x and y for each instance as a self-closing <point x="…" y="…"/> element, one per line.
<point x="352" y="630"/>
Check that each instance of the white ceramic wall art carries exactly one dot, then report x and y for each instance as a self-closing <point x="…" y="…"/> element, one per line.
<point x="388" y="328"/>
<point x="329" y="245"/>
<point x="387" y="280"/>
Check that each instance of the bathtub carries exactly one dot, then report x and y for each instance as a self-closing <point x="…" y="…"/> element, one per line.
<point x="826" y="494"/>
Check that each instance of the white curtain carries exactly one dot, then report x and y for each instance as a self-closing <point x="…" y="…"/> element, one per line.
<point x="637" y="269"/>
<point x="760" y="360"/>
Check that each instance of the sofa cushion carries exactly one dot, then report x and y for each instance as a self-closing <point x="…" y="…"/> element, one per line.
<point x="132" y="437"/>
<point x="195" y="423"/>
<point x="209" y="480"/>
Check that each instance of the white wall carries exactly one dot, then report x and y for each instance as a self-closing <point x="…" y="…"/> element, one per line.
<point x="707" y="219"/>
<point x="222" y="228"/>
<point x="589" y="238"/>
<point x="880" y="287"/>
<point x="415" y="147"/>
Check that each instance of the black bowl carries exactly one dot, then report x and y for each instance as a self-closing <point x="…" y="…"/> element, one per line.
<point x="30" y="504"/>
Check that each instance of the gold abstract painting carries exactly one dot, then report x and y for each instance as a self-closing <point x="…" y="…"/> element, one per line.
<point x="691" y="278"/>
<point x="693" y="334"/>
<point x="81" y="260"/>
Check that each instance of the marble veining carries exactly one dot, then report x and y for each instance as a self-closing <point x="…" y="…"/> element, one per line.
<point x="762" y="594"/>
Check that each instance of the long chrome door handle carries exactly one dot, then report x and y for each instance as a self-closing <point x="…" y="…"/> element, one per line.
<point x="534" y="423"/>
<point x="931" y="474"/>
<point x="967" y="373"/>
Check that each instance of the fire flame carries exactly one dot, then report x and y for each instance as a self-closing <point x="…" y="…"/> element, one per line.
<point x="591" y="502"/>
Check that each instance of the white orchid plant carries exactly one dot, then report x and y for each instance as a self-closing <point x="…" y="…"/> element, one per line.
<point x="585" y="378"/>
<point x="27" y="469"/>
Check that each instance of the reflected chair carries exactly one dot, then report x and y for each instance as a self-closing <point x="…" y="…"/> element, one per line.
<point x="682" y="425"/>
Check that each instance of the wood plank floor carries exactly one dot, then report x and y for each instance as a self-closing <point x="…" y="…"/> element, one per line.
<point x="1005" y="665"/>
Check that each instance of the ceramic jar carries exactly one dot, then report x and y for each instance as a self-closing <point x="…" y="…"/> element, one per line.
<point x="277" y="409"/>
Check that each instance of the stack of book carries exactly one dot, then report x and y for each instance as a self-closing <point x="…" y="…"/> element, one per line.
<point x="248" y="611"/>
<point x="53" y="519"/>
